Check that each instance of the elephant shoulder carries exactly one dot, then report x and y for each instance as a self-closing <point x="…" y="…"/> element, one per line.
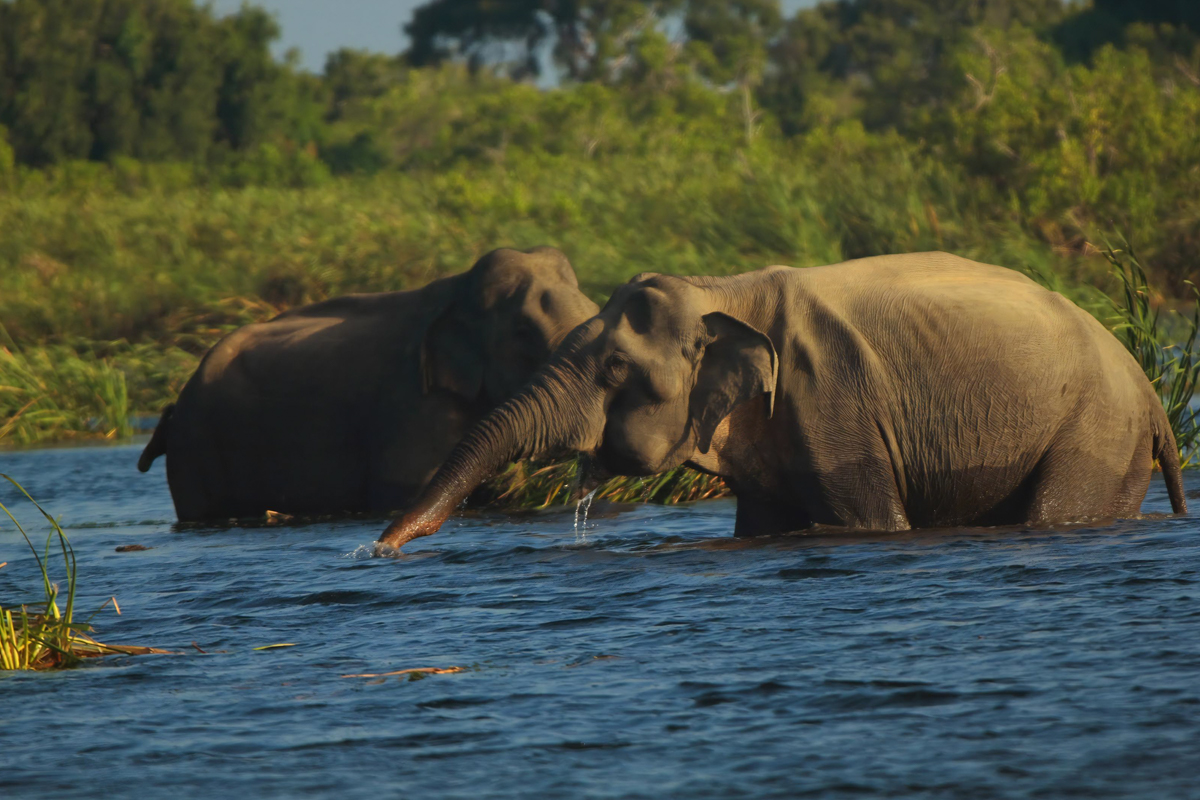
<point x="356" y="305"/>
<point x="220" y="356"/>
<point x="356" y="333"/>
<point x="824" y="333"/>
<point x="278" y="350"/>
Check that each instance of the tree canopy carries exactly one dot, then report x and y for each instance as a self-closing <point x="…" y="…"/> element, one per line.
<point x="1058" y="118"/>
<point x="148" y="79"/>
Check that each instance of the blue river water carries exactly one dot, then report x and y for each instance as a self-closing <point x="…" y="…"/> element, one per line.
<point x="650" y="655"/>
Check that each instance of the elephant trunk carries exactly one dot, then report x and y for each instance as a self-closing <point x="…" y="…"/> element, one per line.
<point x="556" y="410"/>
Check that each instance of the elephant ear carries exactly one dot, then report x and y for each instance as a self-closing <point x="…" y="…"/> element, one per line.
<point x="738" y="364"/>
<point x="451" y="357"/>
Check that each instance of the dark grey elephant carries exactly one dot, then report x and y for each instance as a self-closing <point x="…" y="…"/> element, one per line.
<point x="351" y="404"/>
<point x="885" y="393"/>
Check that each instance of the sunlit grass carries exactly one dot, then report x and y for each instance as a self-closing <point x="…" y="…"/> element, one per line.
<point x="539" y="484"/>
<point x="1171" y="362"/>
<point x="53" y="394"/>
<point x="100" y="286"/>
<point x="87" y="391"/>
<point x="45" y="635"/>
<point x="98" y="265"/>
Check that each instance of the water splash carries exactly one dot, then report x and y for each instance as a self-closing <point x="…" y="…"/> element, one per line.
<point x="362" y="551"/>
<point x="585" y="503"/>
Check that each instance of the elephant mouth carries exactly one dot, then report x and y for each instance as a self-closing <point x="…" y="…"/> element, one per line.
<point x="639" y="456"/>
<point x="591" y="475"/>
<point x="610" y="462"/>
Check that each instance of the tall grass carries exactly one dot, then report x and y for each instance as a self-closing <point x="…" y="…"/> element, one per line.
<point x="97" y="282"/>
<point x="1166" y="349"/>
<point x="86" y="390"/>
<point x="152" y="267"/>
<point x="52" y="393"/>
<point x="45" y="635"/>
<point x="109" y="297"/>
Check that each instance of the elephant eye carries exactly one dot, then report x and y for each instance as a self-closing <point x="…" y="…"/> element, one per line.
<point x="615" y="368"/>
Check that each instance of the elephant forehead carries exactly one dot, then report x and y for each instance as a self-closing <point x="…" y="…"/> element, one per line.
<point x="650" y="310"/>
<point x="556" y="310"/>
<point x="503" y="286"/>
<point x="509" y="271"/>
<point x="659" y="354"/>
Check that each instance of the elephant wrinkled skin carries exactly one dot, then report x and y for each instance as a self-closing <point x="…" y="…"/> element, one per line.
<point x="351" y="404"/>
<point x="887" y="393"/>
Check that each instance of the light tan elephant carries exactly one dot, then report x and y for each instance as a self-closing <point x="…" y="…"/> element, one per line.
<point x="885" y="393"/>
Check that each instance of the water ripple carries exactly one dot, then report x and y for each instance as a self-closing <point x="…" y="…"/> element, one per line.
<point x="660" y="658"/>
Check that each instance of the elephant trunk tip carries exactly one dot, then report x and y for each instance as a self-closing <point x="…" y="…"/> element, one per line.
<point x="413" y="525"/>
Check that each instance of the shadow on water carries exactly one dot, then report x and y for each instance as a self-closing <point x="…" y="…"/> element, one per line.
<point x="833" y="536"/>
<point x="482" y="516"/>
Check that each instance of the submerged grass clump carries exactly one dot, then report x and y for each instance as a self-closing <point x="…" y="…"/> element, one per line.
<point x="45" y="635"/>
<point x="1171" y="361"/>
<point x="541" y="484"/>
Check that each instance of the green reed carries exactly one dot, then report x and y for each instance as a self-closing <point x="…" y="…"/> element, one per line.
<point x="1165" y="348"/>
<point x="45" y="635"/>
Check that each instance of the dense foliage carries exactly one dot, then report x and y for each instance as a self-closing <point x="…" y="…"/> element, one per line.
<point x="150" y="79"/>
<point x="163" y="180"/>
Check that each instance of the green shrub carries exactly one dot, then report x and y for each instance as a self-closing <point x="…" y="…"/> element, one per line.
<point x="1168" y="353"/>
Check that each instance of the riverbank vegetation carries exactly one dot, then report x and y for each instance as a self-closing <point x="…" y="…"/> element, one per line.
<point x="163" y="180"/>
<point x="46" y="635"/>
<point x="1167" y="353"/>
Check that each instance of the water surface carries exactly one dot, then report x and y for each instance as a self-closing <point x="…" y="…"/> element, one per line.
<point x="655" y="657"/>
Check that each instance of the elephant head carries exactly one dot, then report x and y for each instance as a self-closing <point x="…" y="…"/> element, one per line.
<point x="639" y="388"/>
<point x="508" y="313"/>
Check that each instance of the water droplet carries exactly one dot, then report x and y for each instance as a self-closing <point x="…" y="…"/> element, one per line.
<point x="581" y="529"/>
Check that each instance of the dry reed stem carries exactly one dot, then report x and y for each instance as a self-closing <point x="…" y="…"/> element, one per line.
<point x="423" y="670"/>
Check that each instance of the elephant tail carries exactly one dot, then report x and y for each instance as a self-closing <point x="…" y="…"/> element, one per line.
<point x="1167" y="454"/>
<point x="158" y="442"/>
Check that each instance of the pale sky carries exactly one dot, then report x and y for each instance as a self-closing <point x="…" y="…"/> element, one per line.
<point x="319" y="26"/>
